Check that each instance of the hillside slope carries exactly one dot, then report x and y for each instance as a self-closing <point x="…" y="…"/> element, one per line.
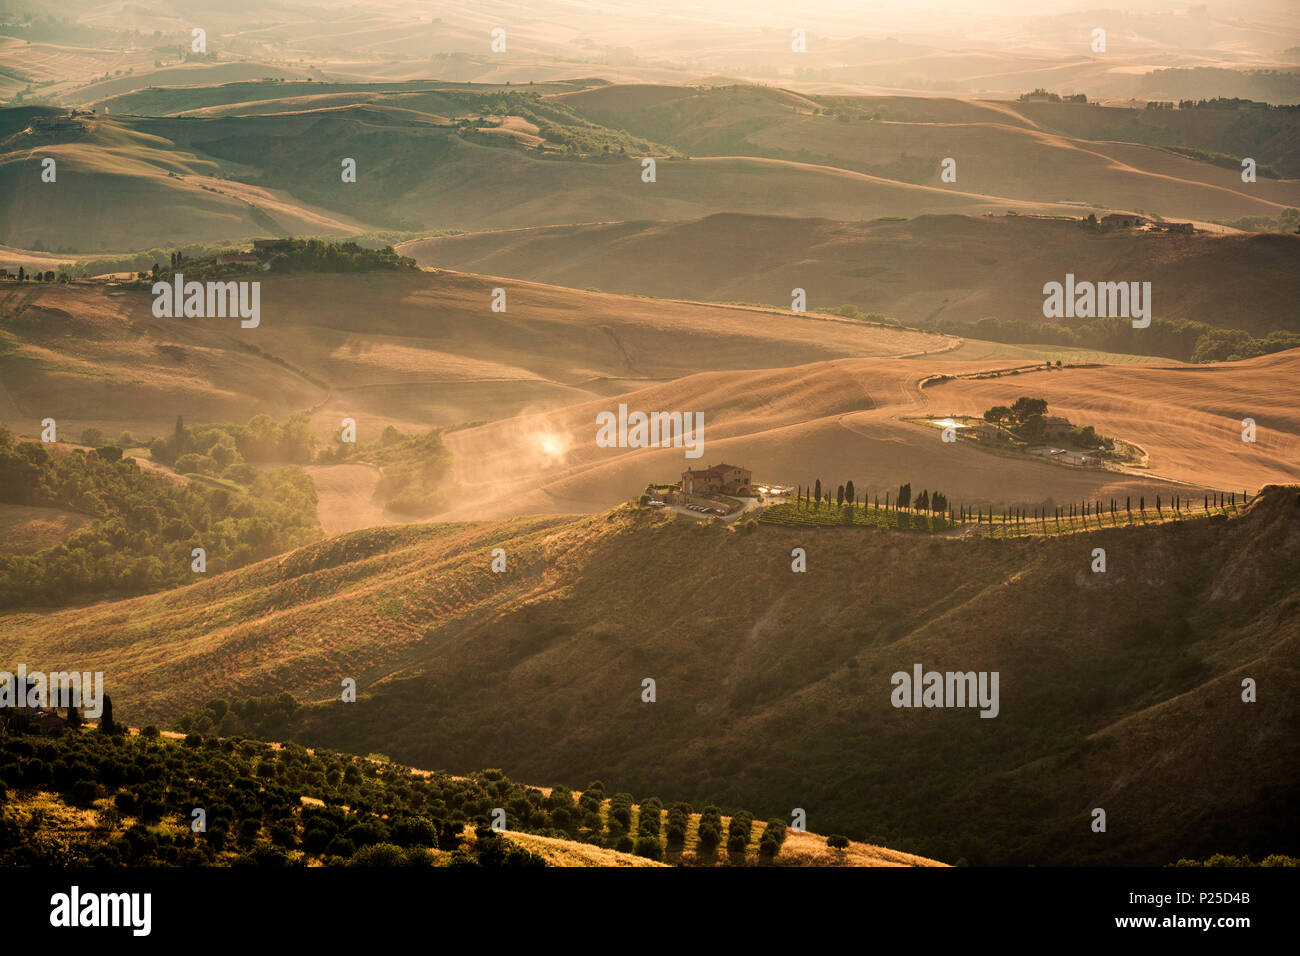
<point x="932" y="268"/>
<point x="1119" y="690"/>
<point x="108" y="169"/>
<point x="277" y="172"/>
<point x="853" y="418"/>
<point x="412" y="349"/>
<point x="998" y="149"/>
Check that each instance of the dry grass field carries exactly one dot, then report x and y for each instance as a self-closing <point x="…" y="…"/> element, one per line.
<point x="448" y="656"/>
<point x="932" y="268"/>
<point x="425" y="349"/>
<point x="26" y="529"/>
<point x="200" y="177"/>
<point x="386" y="520"/>
<point x="848" y="419"/>
<point x="1187" y="417"/>
<point x="415" y="350"/>
<point x="1000" y="152"/>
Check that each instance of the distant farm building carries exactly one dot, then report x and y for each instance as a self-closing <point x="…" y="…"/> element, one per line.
<point x="987" y="431"/>
<point x="272" y="245"/>
<point x="1122" y="220"/>
<point x="718" y="480"/>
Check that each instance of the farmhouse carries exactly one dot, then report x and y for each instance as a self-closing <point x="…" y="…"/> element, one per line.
<point x="986" y="431"/>
<point x="717" y="479"/>
<point x="1122" y="220"/>
<point x="272" y="245"/>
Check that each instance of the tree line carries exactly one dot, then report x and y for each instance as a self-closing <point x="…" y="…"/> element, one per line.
<point x="846" y="495"/>
<point x="928" y="502"/>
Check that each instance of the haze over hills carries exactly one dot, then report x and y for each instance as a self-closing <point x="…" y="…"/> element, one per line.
<point x="932" y="268"/>
<point x="275" y="174"/>
<point x="415" y="350"/>
<point x="997" y="49"/>
<point x="106" y="168"/>
<point x="852" y="419"/>
<point x="254" y="158"/>
<point x="1029" y="151"/>
<point x="825" y="233"/>
<point x="425" y="349"/>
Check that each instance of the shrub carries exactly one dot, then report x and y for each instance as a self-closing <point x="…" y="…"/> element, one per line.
<point x="85" y="792"/>
<point x="649" y="821"/>
<point x="709" y="836"/>
<point x="381" y="854"/>
<point x="649" y="847"/>
<point x="340" y="846"/>
<point x="775" y="830"/>
<point x="414" y="831"/>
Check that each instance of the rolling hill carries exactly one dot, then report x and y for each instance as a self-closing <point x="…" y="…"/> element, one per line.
<point x="413" y="349"/>
<point x="424" y="349"/>
<point x="231" y="176"/>
<point x="1073" y="152"/>
<point x="850" y="419"/>
<point x="928" y="269"/>
<point x="107" y="170"/>
<point x="244" y="159"/>
<point x="1118" y="690"/>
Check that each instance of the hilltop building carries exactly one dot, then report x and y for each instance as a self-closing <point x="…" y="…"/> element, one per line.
<point x="718" y="479"/>
<point x="1122" y="220"/>
<point x="987" y="431"/>
<point x="273" y="245"/>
